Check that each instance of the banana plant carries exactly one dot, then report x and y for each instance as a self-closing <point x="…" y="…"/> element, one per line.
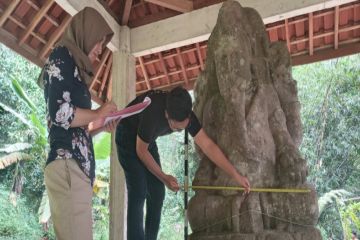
<point x="15" y="152"/>
<point x="102" y="144"/>
<point x="348" y="213"/>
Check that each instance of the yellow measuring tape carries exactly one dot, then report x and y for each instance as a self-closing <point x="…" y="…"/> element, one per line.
<point x="276" y="190"/>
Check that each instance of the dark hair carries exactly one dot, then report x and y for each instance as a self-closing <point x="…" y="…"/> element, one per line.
<point x="178" y="104"/>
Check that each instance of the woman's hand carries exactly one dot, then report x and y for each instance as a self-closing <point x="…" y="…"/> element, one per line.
<point x="243" y="181"/>
<point x="111" y="126"/>
<point x="171" y="183"/>
<point x="106" y="109"/>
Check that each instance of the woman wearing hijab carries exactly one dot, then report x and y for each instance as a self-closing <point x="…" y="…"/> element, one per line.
<point x="70" y="167"/>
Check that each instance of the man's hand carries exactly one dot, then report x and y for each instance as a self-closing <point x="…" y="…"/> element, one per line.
<point x="243" y="181"/>
<point x="171" y="183"/>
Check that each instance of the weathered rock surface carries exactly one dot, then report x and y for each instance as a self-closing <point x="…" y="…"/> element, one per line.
<point x="247" y="102"/>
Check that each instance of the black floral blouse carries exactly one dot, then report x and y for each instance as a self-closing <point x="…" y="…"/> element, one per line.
<point x="65" y="91"/>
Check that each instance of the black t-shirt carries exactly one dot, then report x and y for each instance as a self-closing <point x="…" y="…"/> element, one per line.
<point x="152" y="123"/>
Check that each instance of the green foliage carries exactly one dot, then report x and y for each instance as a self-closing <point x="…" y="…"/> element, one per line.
<point x="15" y="147"/>
<point x="101" y="198"/>
<point x="102" y="146"/>
<point x="172" y="155"/>
<point x="21" y="94"/>
<point x="17" y="222"/>
<point x="22" y="121"/>
<point x="331" y="197"/>
<point x="351" y="215"/>
<point x="329" y="94"/>
<point x="26" y="73"/>
<point x="44" y="209"/>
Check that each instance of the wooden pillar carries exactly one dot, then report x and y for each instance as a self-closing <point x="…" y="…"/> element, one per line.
<point x="123" y="91"/>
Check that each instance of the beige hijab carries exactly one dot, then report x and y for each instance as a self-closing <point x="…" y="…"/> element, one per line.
<point x="85" y="30"/>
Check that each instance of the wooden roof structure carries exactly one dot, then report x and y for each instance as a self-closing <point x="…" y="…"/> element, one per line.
<point x="32" y="27"/>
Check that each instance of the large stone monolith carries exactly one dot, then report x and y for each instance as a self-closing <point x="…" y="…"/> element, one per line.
<point x="246" y="100"/>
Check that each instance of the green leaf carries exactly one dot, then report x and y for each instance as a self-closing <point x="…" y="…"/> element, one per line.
<point x="21" y="94"/>
<point x="15" y="147"/>
<point x="102" y="146"/>
<point x="12" y="158"/>
<point x="44" y="209"/>
<point x="38" y="125"/>
<point x="330" y="197"/>
<point x="16" y="114"/>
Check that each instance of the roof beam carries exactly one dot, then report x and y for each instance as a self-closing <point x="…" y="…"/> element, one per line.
<point x="177" y="5"/>
<point x="48" y="17"/>
<point x="126" y="8"/>
<point x="152" y="18"/>
<point x="11" y="42"/>
<point x="326" y="54"/>
<point x="105" y="76"/>
<point x="142" y="65"/>
<point x="100" y="67"/>
<point x="164" y="67"/>
<point x="109" y="90"/>
<point x="287" y="36"/>
<point x="174" y="84"/>
<point x="74" y="6"/>
<point x="182" y="66"/>
<point x="39" y="15"/>
<point x="8" y="11"/>
<point x="54" y="37"/>
<point x="175" y="31"/>
<point x="311" y="34"/>
<point x="336" y="24"/>
<point x="21" y="25"/>
<point x="178" y="71"/>
<point x="200" y="57"/>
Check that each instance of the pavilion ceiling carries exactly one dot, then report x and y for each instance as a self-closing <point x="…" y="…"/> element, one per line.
<point x="32" y="27"/>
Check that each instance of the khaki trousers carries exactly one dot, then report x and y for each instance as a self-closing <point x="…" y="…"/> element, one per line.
<point x="70" y="197"/>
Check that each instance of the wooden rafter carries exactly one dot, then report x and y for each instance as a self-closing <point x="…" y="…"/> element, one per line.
<point x="328" y="54"/>
<point x="171" y="55"/>
<point x="109" y="89"/>
<point x="174" y="84"/>
<point x="177" y="5"/>
<point x="169" y="73"/>
<point x="152" y="18"/>
<point x="141" y="61"/>
<point x="164" y="67"/>
<point x="105" y="75"/>
<point x="287" y="34"/>
<point x="336" y="25"/>
<point x="11" y="42"/>
<point x="36" y="20"/>
<point x="204" y="3"/>
<point x="54" y="37"/>
<point x="201" y="61"/>
<point x="99" y="67"/>
<point x="48" y="17"/>
<point x="327" y="33"/>
<point x="108" y="9"/>
<point x="311" y="34"/>
<point x="95" y="98"/>
<point x="21" y="25"/>
<point x="8" y="11"/>
<point x="315" y="16"/>
<point x="182" y="66"/>
<point x="125" y="14"/>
